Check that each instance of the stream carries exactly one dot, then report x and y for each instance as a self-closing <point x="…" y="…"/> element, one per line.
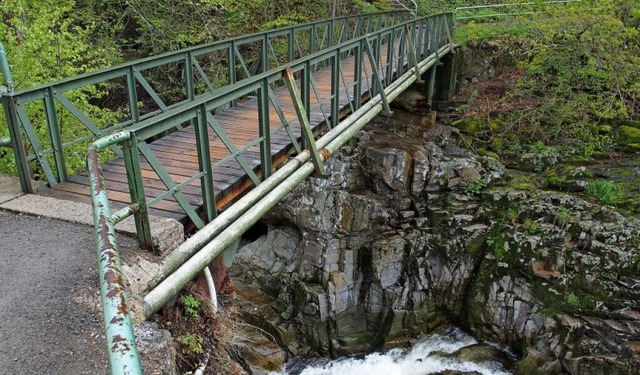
<point x="435" y="354"/>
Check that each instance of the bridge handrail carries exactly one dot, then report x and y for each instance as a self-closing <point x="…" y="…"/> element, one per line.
<point x="528" y="8"/>
<point x="417" y="42"/>
<point x="42" y="129"/>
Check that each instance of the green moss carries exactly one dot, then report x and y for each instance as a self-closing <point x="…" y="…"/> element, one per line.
<point x="633" y="146"/>
<point x="628" y="136"/>
<point x="527" y="366"/>
<point x="477" y="244"/>
<point x="604" y="129"/>
<point x="522" y="182"/>
<point x="497" y="144"/>
<point x="554" y="181"/>
<point x="471" y="125"/>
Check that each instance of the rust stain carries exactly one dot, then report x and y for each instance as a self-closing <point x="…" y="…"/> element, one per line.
<point x="123" y="309"/>
<point x="325" y="153"/>
<point x="118" y="339"/>
<point x="120" y="344"/>
<point x="116" y="320"/>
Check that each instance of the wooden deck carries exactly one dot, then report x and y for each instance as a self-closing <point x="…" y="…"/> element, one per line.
<point x="178" y="154"/>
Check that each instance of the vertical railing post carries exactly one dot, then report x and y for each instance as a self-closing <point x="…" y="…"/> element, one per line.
<point x="204" y="162"/>
<point x="136" y="191"/>
<point x="431" y="85"/>
<point x="378" y="47"/>
<point x="11" y="116"/>
<point x="231" y="56"/>
<point x="305" y="94"/>
<point x="330" y="33"/>
<point x="264" y="56"/>
<point x="335" y="88"/>
<point x="133" y="96"/>
<point x="6" y="71"/>
<point x="17" y="143"/>
<point x="265" y="129"/>
<point x="188" y="72"/>
<point x="54" y="133"/>
<point x="357" y="76"/>
<point x="312" y="41"/>
<point x="290" y="44"/>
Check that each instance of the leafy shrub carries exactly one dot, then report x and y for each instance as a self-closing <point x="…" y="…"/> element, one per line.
<point x="475" y="187"/>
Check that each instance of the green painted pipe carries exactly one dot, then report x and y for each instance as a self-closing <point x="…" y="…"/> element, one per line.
<point x="6" y="72"/>
<point x="121" y="345"/>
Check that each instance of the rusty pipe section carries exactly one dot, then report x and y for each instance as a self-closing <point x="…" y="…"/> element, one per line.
<point x="121" y="346"/>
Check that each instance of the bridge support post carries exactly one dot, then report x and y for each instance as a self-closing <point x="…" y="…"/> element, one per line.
<point x="446" y="81"/>
<point x="431" y="85"/>
<point x="136" y="190"/>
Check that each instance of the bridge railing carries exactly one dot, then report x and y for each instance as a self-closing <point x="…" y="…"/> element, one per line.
<point x="379" y="56"/>
<point x="488" y="12"/>
<point x="51" y="125"/>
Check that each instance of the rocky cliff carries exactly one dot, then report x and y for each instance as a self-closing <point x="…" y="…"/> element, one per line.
<point x="410" y="231"/>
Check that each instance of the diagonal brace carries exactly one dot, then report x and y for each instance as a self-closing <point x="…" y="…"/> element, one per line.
<point x="304" y="122"/>
<point x="376" y="76"/>
<point x="412" y="52"/>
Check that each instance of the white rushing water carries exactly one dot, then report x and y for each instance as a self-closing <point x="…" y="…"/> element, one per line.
<point x="426" y="357"/>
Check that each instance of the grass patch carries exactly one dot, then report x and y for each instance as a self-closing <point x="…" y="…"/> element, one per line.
<point x="605" y="192"/>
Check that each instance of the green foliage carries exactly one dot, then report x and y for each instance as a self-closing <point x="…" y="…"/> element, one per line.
<point x="573" y="300"/>
<point x="192" y="344"/>
<point x="191" y="305"/>
<point x="606" y="192"/>
<point x="45" y="43"/>
<point x="475" y="187"/>
<point x="530" y="226"/>
<point x="563" y="216"/>
<point x="582" y="68"/>
<point x="578" y="63"/>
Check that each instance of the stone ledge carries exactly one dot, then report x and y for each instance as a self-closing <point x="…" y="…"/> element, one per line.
<point x="167" y="233"/>
<point x="10" y="187"/>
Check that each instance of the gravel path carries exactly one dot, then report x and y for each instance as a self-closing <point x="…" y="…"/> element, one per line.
<point x="49" y="299"/>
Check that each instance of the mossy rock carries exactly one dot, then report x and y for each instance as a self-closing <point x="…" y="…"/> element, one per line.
<point x="628" y="136"/>
<point x="497" y="144"/>
<point x="471" y="125"/>
<point x="485" y="152"/>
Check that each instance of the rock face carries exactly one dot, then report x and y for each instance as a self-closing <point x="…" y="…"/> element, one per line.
<point x="404" y="236"/>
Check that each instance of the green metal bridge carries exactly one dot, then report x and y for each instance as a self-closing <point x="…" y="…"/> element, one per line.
<point x="213" y="135"/>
